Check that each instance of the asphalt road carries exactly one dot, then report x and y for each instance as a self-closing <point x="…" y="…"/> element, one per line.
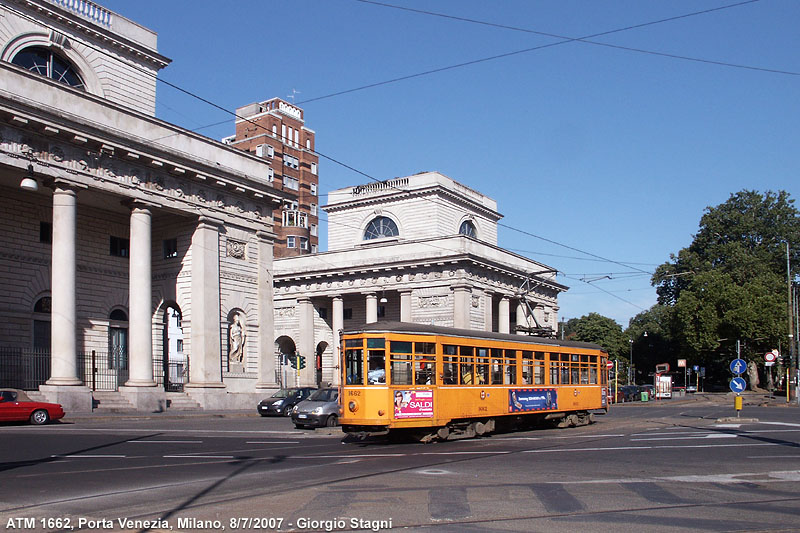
<point x="663" y="467"/>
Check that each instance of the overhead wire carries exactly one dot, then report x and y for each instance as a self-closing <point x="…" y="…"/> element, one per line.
<point x="368" y="176"/>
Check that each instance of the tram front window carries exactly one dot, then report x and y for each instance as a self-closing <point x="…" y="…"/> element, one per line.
<point x="354" y="362"/>
<point x="377" y="361"/>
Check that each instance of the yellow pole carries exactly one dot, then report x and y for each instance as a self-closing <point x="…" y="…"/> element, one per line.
<point x="616" y="380"/>
<point x="787" y="386"/>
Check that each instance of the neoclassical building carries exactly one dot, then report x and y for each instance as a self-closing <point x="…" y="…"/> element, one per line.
<point x="135" y="256"/>
<point x="422" y="248"/>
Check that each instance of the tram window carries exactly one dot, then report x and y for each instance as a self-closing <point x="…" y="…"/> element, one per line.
<point x="593" y="375"/>
<point x="449" y="349"/>
<point x="466" y="350"/>
<point x="377" y="367"/>
<point x="425" y="347"/>
<point x="450" y="370"/>
<point x="527" y="368"/>
<point x="401" y="369"/>
<point x="376" y="343"/>
<point x="424" y="370"/>
<point x="564" y="380"/>
<point x="354" y="366"/>
<point x="554" y="373"/>
<point x="497" y="368"/>
<point x="538" y="373"/>
<point x="511" y="367"/>
<point x="593" y="359"/>
<point x="353" y="343"/>
<point x="482" y="370"/>
<point x="467" y="370"/>
<point x="574" y="357"/>
<point x="574" y="373"/>
<point x="584" y="375"/>
<point x="401" y="346"/>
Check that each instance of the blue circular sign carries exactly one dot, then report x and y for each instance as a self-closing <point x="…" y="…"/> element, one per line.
<point x="738" y="384"/>
<point x="738" y="366"/>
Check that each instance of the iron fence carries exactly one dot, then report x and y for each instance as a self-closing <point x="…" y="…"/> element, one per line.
<point x="24" y="368"/>
<point x="171" y="375"/>
<point x="103" y="371"/>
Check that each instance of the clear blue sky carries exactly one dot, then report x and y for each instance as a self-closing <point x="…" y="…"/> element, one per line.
<point x="607" y="151"/>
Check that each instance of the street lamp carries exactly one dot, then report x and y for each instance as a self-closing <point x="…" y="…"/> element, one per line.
<point x="630" y="365"/>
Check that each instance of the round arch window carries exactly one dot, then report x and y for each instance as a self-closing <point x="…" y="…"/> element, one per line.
<point x="380" y="228"/>
<point x="468" y="228"/>
<point x="43" y="61"/>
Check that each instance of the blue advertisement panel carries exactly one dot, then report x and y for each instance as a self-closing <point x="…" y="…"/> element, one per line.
<point x="520" y="400"/>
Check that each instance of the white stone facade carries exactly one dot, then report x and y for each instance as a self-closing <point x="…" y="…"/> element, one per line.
<point x="427" y="273"/>
<point x="131" y="216"/>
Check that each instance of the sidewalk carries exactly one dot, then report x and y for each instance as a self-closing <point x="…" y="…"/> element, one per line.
<point x="162" y="415"/>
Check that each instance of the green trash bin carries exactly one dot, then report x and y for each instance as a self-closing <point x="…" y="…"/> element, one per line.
<point x="645" y="396"/>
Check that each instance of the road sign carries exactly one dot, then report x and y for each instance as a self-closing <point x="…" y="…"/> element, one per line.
<point x="738" y="384"/>
<point x="681" y="363"/>
<point x="770" y="357"/>
<point x="738" y="366"/>
<point x="610" y="365"/>
<point x="662" y="368"/>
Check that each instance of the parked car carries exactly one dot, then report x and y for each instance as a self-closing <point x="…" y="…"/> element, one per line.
<point x="631" y="393"/>
<point x="691" y="388"/>
<point x="16" y="406"/>
<point x="320" y="409"/>
<point x="281" y="403"/>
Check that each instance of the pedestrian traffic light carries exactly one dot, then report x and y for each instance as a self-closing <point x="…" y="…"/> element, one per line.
<point x="301" y="362"/>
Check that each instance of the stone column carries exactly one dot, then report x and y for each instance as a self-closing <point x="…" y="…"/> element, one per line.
<point x="337" y="323"/>
<point x="503" y="316"/>
<point x="487" y="310"/>
<point x="63" y="350"/>
<point x="461" y="306"/>
<point x="306" y="346"/>
<point x="405" y="306"/>
<point x="140" y="289"/>
<point x="372" y="308"/>
<point x="521" y="317"/>
<point x="266" y="314"/>
<point x="205" y="370"/>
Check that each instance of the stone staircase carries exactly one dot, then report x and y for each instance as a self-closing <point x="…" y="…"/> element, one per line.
<point x="181" y="401"/>
<point x="110" y="402"/>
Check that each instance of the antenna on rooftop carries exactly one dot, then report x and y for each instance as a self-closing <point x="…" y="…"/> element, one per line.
<point x="295" y="92"/>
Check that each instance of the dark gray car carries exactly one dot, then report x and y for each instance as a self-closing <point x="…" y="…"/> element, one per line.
<point x="281" y="402"/>
<point x="320" y="409"/>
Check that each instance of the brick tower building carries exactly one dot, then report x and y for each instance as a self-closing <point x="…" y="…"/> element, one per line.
<point x="276" y="131"/>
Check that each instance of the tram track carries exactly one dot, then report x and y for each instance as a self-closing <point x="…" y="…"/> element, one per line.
<point x="169" y="507"/>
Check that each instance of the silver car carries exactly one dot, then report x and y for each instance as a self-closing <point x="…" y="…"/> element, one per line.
<point x="320" y="409"/>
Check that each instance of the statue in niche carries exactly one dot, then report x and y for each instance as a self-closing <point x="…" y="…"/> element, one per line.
<point x="236" y="339"/>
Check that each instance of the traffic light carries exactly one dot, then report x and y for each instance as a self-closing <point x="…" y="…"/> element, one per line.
<point x="301" y="362"/>
<point x="292" y="360"/>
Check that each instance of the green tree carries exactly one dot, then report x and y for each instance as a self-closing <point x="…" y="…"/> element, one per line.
<point x="651" y="333"/>
<point x="730" y="282"/>
<point x="601" y="330"/>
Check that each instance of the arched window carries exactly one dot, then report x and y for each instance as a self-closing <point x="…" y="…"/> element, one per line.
<point x="41" y="323"/>
<point x="381" y="227"/>
<point x="47" y="63"/>
<point x="468" y="228"/>
<point x="118" y="340"/>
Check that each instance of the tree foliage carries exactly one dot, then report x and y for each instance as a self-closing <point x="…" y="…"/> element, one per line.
<point x="601" y="330"/>
<point x="730" y="282"/>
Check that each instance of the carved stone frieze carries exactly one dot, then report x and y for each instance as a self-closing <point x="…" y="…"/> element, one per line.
<point x="237" y="249"/>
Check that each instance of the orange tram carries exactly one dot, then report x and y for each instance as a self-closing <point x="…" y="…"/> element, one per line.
<point x="437" y="383"/>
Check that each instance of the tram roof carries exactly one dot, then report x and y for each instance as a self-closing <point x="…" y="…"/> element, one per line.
<point x="425" y="329"/>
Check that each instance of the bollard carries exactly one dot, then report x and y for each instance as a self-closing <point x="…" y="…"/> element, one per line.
<point x="737" y="404"/>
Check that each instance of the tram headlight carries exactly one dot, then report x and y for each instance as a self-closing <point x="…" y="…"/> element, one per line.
<point x="352" y="405"/>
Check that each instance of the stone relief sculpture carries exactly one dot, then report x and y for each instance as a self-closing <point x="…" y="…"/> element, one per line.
<point x="236" y="338"/>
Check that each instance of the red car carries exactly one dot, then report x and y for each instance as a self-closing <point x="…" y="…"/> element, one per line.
<point x="16" y="406"/>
